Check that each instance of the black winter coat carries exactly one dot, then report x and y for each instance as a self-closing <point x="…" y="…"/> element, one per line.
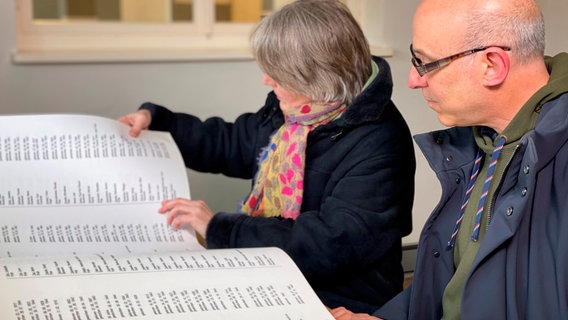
<point x="358" y="191"/>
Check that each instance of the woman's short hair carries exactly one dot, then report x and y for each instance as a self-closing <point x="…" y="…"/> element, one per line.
<point x="314" y="48"/>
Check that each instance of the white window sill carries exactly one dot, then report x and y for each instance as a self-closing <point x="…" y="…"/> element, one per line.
<point x="129" y="56"/>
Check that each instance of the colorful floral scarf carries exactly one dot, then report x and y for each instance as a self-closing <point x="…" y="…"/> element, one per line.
<point x="280" y="179"/>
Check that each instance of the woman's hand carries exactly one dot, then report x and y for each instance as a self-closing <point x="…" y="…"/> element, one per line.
<point x="341" y="313"/>
<point x="138" y="121"/>
<point x="183" y="211"/>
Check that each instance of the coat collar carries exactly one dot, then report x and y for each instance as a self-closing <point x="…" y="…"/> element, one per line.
<point x="370" y="104"/>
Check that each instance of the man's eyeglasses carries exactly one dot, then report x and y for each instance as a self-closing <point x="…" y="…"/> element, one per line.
<point x="431" y="66"/>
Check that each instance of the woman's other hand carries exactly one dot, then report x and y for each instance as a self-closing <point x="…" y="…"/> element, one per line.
<point x="138" y="121"/>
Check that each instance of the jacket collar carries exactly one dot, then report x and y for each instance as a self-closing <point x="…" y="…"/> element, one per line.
<point x="370" y="104"/>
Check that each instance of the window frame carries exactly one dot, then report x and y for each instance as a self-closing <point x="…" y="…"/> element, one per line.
<point x="92" y="42"/>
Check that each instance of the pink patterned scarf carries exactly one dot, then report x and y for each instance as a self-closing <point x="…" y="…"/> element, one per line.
<point x="280" y="179"/>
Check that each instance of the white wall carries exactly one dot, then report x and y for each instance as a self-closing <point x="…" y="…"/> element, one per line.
<point x="215" y="88"/>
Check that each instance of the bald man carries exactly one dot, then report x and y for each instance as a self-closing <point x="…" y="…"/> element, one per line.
<point x="496" y="246"/>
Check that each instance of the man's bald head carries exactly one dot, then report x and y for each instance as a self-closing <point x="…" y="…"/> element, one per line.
<point x="476" y="23"/>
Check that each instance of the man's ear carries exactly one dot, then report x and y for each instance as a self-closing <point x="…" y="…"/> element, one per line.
<point x="497" y="65"/>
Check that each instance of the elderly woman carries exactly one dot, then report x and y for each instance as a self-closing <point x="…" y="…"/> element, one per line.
<point x="331" y="157"/>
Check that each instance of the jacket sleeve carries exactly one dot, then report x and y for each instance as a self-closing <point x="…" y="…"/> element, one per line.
<point x="214" y="145"/>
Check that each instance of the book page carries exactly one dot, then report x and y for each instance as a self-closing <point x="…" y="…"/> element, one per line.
<point x="257" y="283"/>
<point x="79" y="183"/>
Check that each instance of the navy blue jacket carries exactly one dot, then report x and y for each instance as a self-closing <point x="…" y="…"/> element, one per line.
<point x="521" y="269"/>
<point x="358" y="191"/>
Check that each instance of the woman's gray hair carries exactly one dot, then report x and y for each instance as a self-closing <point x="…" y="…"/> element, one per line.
<point x="314" y="48"/>
<point x="519" y="26"/>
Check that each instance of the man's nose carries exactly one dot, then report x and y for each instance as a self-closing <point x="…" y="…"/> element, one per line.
<point x="415" y="81"/>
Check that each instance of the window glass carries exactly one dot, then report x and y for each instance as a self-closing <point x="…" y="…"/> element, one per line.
<point x="75" y="31"/>
<point x="247" y="11"/>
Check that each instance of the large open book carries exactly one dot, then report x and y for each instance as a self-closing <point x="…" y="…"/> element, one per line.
<point x="81" y="236"/>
